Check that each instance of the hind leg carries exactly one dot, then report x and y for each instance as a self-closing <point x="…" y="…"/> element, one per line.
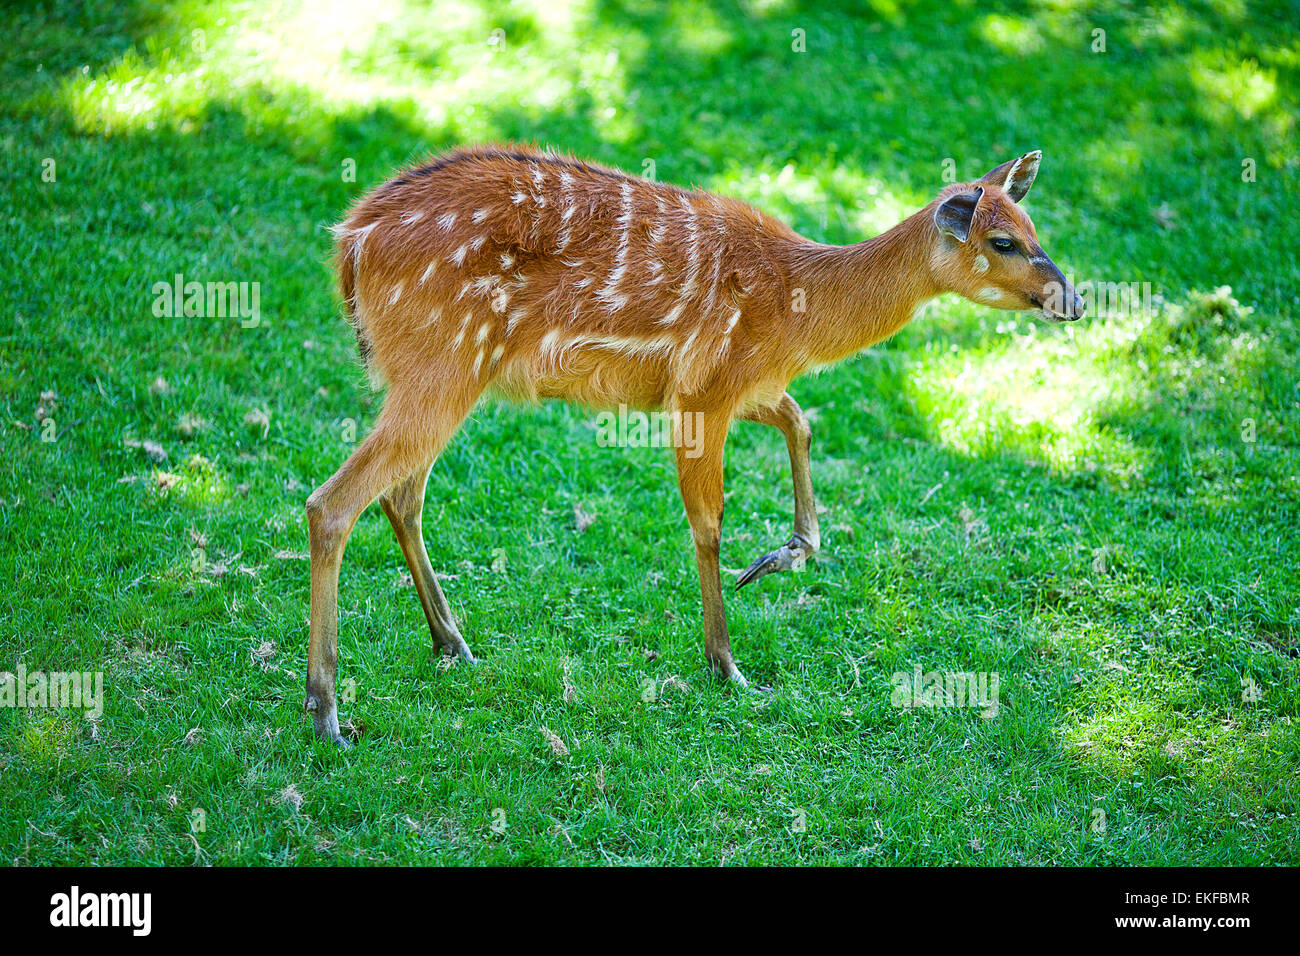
<point x="409" y="433"/>
<point x="404" y="503"/>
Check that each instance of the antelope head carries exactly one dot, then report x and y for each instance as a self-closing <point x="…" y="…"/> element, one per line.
<point x="987" y="248"/>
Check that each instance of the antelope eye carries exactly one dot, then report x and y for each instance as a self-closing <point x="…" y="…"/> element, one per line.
<point x="1003" y="245"/>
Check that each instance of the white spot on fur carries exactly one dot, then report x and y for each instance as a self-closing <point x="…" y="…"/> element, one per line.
<point x="693" y="251"/>
<point x="981" y="264"/>
<point x="609" y="295"/>
<point x="428" y="271"/>
<point x="627" y="344"/>
<point x="447" y="220"/>
<point x="397" y="294"/>
<point x="713" y="285"/>
<point x="458" y="257"/>
<point x="516" y="315"/>
<point x="989" y="294"/>
<point x="460" y="333"/>
<point x="553" y="351"/>
<point x="673" y="315"/>
<point x="684" y="357"/>
<point x="479" y="215"/>
<point x="547" y="347"/>
<point x="409" y="218"/>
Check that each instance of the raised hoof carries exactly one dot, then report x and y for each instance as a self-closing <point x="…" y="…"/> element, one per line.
<point x="791" y="554"/>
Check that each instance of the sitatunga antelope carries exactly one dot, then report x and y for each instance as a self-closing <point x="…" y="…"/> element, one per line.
<point x="537" y="275"/>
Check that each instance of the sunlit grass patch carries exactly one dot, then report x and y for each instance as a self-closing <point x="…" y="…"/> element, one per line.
<point x="300" y="65"/>
<point x="1012" y="34"/>
<point x="1234" y="87"/>
<point x="1039" y="394"/>
<point x="49" y="739"/>
<point x="841" y="199"/>
<point x="1140" y="735"/>
<point x="1077" y="397"/>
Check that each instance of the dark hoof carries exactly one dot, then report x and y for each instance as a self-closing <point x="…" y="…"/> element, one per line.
<point x="327" y="725"/>
<point x="326" y="735"/>
<point x="792" y="554"/>
<point x="454" y="653"/>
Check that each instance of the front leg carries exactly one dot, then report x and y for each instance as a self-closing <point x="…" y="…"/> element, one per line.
<point x="789" y="418"/>
<point x="699" y="475"/>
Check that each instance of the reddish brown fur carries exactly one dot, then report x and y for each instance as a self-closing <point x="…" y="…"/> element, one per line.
<point x="524" y="269"/>
<point x="541" y="276"/>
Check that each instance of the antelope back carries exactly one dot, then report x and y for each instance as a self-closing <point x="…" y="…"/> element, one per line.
<point x="545" y="276"/>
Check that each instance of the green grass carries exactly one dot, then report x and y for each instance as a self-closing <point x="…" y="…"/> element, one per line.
<point x="1074" y="509"/>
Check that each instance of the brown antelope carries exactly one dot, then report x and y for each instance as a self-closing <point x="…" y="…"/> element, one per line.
<point x="540" y="276"/>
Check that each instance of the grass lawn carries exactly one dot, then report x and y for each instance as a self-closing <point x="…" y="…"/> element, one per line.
<point x="1105" y="515"/>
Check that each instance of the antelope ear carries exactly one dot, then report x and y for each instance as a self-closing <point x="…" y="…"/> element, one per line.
<point x="954" y="215"/>
<point x="1017" y="176"/>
